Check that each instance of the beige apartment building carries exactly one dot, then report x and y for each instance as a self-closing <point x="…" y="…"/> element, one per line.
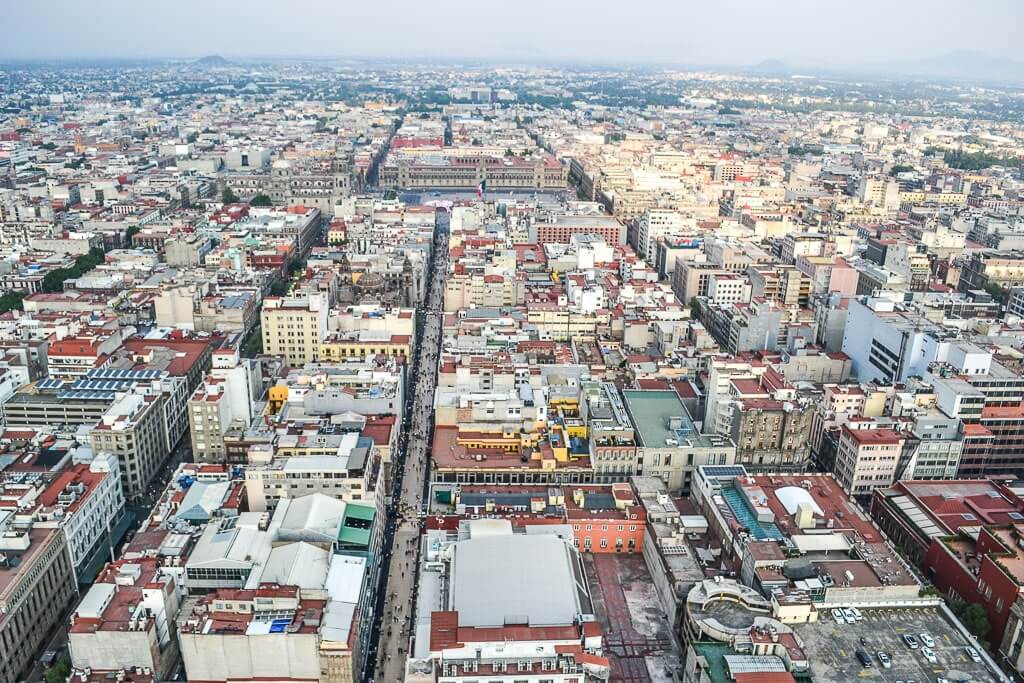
<point x="561" y="323"/>
<point x="474" y="291"/>
<point x="867" y="459"/>
<point x="133" y="430"/>
<point x="294" y="328"/>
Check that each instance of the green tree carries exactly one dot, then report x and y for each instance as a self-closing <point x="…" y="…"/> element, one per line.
<point x="390" y="194"/>
<point x="899" y="168"/>
<point x="997" y="292"/>
<point x="49" y="145"/>
<point x="972" y="616"/>
<point x="280" y="288"/>
<point x="261" y="200"/>
<point x="694" y="308"/>
<point x="11" y="301"/>
<point x="54" y="280"/>
<point x="229" y="197"/>
<point x="59" y="672"/>
<point x="192" y="137"/>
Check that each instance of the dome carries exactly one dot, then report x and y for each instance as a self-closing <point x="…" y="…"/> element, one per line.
<point x="792" y="496"/>
<point x="371" y="281"/>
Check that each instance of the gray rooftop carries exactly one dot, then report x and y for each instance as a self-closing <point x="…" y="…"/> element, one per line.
<point x="516" y="579"/>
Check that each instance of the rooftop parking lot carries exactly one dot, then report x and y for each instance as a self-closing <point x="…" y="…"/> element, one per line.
<point x="833" y="647"/>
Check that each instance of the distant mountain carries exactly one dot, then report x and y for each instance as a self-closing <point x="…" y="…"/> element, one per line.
<point x="769" y="67"/>
<point x="212" y="61"/>
<point x="968" y="65"/>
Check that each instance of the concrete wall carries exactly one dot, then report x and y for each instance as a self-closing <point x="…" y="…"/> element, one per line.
<point x="114" y="649"/>
<point x="215" y="657"/>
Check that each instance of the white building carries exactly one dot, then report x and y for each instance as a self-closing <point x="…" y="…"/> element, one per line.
<point x="504" y="606"/>
<point x="888" y="343"/>
<point x="126" y="620"/>
<point x="728" y="289"/>
<point x="655" y="223"/>
<point x="86" y="501"/>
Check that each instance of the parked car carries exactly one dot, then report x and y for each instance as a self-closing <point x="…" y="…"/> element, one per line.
<point x="973" y="654"/>
<point x="885" y="659"/>
<point x="929" y="654"/>
<point x="837" y="614"/>
<point x="927" y="640"/>
<point x="856" y="613"/>
<point x="850" y="616"/>
<point x="865" y="659"/>
<point x="911" y="641"/>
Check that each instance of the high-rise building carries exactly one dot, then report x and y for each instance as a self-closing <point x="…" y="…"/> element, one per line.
<point x="294" y="328"/>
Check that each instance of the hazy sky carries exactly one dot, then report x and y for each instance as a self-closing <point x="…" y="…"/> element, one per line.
<point x="723" y="32"/>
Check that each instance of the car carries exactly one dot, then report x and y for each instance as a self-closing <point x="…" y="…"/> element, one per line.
<point x="850" y="616"/>
<point x="973" y="654"/>
<point x="927" y="640"/>
<point x="865" y="658"/>
<point x="885" y="659"/>
<point x="911" y="641"/>
<point x="857" y="614"/>
<point x="837" y="614"/>
<point x="929" y="654"/>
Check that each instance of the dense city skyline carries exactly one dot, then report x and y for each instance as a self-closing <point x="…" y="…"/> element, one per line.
<point x="873" y="37"/>
<point x="535" y="343"/>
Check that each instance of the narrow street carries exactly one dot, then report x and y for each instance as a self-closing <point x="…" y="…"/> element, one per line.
<point x="410" y="470"/>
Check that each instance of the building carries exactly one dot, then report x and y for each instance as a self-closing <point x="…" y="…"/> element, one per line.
<point x="286" y="632"/>
<point x="222" y="403"/>
<point x="673" y="533"/>
<point x="85" y="500"/>
<point x="867" y="459"/>
<point x="610" y="434"/>
<point x="914" y="514"/>
<point x="126" y="621"/>
<point x="134" y="430"/>
<point x="294" y="328"/>
<point x="772" y="435"/>
<point x="604" y="519"/>
<point x="888" y="343"/>
<point x="669" y="446"/>
<point x="340" y="346"/>
<point x="1001" y="268"/>
<point x="37" y="583"/>
<point x="465" y="171"/>
<point x="345" y="477"/>
<point x="465" y="630"/>
<point x="561" y="228"/>
<point x="964" y="534"/>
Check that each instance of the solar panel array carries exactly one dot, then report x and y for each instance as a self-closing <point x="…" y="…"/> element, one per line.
<point x="122" y="373"/>
<point x="724" y="470"/>
<point x="236" y="300"/>
<point x="87" y="395"/>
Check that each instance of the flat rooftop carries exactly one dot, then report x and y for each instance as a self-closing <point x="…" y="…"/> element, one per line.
<point x="517" y="579"/>
<point x="660" y="416"/>
<point x="832" y="648"/>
